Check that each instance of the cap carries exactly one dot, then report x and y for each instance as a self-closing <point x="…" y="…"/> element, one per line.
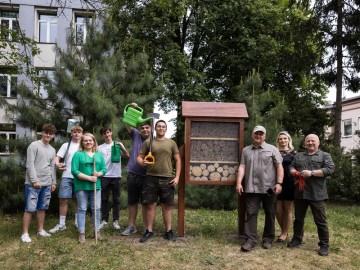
<point x="259" y="128"/>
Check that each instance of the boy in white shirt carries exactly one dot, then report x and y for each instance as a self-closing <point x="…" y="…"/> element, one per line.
<point x="66" y="191"/>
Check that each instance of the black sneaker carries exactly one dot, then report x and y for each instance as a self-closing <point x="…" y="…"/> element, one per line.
<point x="324" y="251"/>
<point x="170" y="236"/>
<point x="247" y="246"/>
<point x="294" y="243"/>
<point x="147" y="235"/>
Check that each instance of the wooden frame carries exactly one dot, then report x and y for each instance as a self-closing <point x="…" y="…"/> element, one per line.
<point x="214" y="115"/>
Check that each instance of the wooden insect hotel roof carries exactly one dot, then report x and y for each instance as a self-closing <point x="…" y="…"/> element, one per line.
<point x="214" y="109"/>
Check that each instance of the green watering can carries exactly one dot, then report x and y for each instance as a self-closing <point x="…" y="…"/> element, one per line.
<point x="132" y="116"/>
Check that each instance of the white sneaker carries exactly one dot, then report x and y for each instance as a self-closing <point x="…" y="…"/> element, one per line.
<point x="116" y="225"/>
<point x="58" y="228"/>
<point x="103" y="224"/>
<point x="43" y="233"/>
<point x="129" y="230"/>
<point x="76" y="223"/>
<point x="25" y="238"/>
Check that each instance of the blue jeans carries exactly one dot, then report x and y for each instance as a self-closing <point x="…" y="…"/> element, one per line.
<point x="82" y="197"/>
<point x="37" y="198"/>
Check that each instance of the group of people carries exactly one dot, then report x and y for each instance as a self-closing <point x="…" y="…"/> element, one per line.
<point x="90" y="172"/>
<point x="278" y="177"/>
<point x="275" y="177"/>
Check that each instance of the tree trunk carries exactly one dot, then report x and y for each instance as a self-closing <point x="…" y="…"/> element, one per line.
<point x="339" y="74"/>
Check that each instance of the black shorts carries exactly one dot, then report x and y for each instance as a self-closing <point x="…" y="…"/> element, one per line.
<point x="134" y="185"/>
<point x="155" y="187"/>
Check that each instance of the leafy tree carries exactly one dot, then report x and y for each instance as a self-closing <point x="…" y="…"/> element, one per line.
<point x="200" y="50"/>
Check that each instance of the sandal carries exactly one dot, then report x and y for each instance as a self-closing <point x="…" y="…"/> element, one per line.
<point x="279" y="240"/>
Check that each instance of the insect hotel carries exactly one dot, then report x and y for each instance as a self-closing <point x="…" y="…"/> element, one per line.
<point x="214" y="138"/>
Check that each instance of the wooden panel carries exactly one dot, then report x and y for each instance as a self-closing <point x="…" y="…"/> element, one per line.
<point x="214" y="109"/>
<point x="212" y="159"/>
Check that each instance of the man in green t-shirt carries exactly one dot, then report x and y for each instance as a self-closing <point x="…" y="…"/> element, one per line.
<point x="159" y="181"/>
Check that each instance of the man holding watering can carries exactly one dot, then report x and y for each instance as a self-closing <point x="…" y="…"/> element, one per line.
<point x="136" y="173"/>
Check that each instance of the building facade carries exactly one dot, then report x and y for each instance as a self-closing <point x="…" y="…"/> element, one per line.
<point x="49" y="23"/>
<point x="350" y="123"/>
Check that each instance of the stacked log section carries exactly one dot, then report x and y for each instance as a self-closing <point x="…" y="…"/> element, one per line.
<point x="219" y="150"/>
<point x="213" y="172"/>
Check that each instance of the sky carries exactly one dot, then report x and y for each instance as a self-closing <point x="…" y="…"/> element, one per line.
<point x="167" y="117"/>
<point x="346" y="94"/>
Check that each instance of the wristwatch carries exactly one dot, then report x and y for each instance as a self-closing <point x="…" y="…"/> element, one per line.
<point x="312" y="173"/>
<point x="278" y="183"/>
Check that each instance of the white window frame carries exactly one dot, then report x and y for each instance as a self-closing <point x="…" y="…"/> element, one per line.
<point x="48" y="23"/>
<point x="345" y="124"/>
<point x="357" y="128"/>
<point x="86" y="18"/>
<point x="13" y="22"/>
<point x="7" y="133"/>
<point x="8" y="87"/>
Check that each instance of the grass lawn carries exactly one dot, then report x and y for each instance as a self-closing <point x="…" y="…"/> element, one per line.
<point x="211" y="242"/>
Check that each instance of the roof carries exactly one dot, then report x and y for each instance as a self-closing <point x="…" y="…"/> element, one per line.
<point x="345" y="101"/>
<point x="214" y="109"/>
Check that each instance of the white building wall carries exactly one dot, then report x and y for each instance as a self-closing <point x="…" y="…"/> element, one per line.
<point x="28" y="21"/>
<point x="351" y="111"/>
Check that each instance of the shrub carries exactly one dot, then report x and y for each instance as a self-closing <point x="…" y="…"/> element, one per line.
<point x="11" y="185"/>
<point x="344" y="184"/>
<point x="212" y="197"/>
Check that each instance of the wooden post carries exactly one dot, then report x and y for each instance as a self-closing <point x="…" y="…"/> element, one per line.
<point x="181" y="195"/>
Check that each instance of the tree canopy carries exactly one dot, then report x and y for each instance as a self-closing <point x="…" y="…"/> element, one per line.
<point x="201" y="50"/>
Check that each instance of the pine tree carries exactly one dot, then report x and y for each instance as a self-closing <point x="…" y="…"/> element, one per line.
<point x="93" y="82"/>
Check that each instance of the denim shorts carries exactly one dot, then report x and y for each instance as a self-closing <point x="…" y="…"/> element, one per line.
<point x="155" y="187"/>
<point x="66" y="190"/>
<point x="134" y="184"/>
<point x="37" y="198"/>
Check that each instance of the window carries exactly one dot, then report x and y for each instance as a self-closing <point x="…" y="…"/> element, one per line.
<point x="6" y="146"/>
<point x="9" y="24"/>
<point x="47" y="28"/>
<point x="347" y="125"/>
<point x="81" y="24"/>
<point x="47" y="78"/>
<point x="357" y="128"/>
<point x="8" y="85"/>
